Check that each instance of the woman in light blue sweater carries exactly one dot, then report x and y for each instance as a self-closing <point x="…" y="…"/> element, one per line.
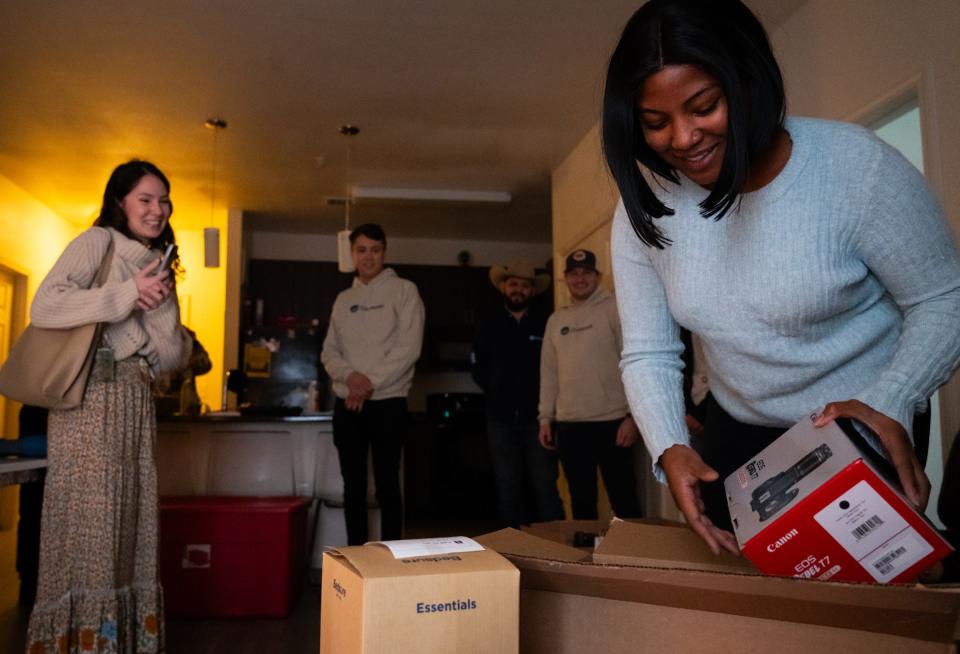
<point x="810" y="258"/>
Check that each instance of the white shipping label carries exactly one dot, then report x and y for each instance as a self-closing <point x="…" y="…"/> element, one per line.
<point x="898" y="554"/>
<point x="872" y="531"/>
<point x="406" y="549"/>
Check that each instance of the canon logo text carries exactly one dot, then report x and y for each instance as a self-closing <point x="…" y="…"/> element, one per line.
<point x="780" y="542"/>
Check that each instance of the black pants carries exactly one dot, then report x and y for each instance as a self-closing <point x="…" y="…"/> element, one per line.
<point x="584" y="446"/>
<point x="727" y="444"/>
<point x="525" y="473"/>
<point x="378" y="428"/>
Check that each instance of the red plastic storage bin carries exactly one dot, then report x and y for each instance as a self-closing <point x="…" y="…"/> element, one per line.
<point x="232" y="556"/>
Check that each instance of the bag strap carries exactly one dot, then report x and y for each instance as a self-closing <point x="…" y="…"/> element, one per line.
<point x="99" y="281"/>
<point x="104" y="271"/>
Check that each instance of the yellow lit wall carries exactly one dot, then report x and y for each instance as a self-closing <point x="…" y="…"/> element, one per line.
<point x="202" y="294"/>
<point x="31" y="235"/>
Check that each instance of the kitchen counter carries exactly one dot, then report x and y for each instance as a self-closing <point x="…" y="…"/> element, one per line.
<point x="229" y="454"/>
<point x="217" y="417"/>
<point x="20" y="470"/>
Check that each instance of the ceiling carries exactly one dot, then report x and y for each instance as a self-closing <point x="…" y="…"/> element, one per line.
<point x="480" y="96"/>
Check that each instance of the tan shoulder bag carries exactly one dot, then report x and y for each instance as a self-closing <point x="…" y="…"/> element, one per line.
<point x="50" y="367"/>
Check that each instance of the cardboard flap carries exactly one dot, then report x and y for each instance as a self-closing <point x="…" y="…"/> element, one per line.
<point x="564" y="531"/>
<point x="335" y="554"/>
<point x="510" y="541"/>
<point x="636" y="543"/>
<point x="373" y="561"/>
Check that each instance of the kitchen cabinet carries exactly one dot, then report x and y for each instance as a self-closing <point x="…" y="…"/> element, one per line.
<point x="289" y="298"/>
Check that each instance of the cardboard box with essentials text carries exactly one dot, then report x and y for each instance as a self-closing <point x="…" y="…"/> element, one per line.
<point x="814" y="505"/>
<point x="418" y="596"/>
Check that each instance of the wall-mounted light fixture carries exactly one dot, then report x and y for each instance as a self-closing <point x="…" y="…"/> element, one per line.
<point x="344" y="260"/>
<point x="211" y="234"/>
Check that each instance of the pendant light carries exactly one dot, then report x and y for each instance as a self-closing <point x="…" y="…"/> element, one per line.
<point x="344" y="260"/>
<point x="211" y="235"/>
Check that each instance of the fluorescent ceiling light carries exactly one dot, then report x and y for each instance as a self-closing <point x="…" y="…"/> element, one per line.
<point x="376" y="193"/>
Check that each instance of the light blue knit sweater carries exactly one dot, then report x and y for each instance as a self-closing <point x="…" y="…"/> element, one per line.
<point x="840" y="279"/>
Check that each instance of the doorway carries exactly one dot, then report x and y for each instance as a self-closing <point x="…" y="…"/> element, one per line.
<point x="12" y="292"/>
<point x="8" y="495"/>
<point x="7" y="290"/>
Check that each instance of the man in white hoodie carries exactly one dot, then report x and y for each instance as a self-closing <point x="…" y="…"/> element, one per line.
<point x="372" y="344"/>
<point x="583" y="408"/>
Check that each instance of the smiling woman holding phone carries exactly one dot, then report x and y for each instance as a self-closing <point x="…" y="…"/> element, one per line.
<point x="99" y="584"/>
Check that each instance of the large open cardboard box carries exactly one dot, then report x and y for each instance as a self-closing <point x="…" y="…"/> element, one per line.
<point x="570" y="604"/>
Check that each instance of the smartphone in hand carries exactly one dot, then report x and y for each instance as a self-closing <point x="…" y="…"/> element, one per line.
<point x="168" y="256"/>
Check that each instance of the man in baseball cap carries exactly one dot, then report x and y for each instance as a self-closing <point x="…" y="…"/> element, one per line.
<point x="583" y="409"/>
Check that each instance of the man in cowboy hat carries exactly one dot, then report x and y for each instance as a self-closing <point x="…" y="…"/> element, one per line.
<point x="583" y="408"/>
<point x="505" y="363"/>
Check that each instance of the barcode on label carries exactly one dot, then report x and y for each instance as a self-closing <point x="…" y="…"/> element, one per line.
<point x="867" y="527"/>
<point x="884" y="566"/>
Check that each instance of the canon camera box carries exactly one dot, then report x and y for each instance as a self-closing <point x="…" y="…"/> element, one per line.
<point x="816" y="505"/>
<point x="432" y="595"/>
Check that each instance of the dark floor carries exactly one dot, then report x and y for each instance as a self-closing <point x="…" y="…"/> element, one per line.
<point x="13" y="622"/>
<point x="13" y="628"/>
<point x="296" y="634"/>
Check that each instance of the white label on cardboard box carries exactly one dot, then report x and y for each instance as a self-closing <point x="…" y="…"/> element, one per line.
<point x="902" y="551"/>
<point x="407" y="549"/>
<point x="873" y="532"/>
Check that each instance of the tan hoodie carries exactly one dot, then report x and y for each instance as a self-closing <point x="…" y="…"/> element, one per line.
<point x="580" y="363"/>
<point x="375" y="329"/>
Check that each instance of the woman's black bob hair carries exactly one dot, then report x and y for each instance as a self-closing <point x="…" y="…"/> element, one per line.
<point x="122" y="180"/>
<point x="725" y="40"/>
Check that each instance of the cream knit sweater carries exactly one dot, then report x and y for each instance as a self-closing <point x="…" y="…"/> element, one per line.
<point x="66" y="300"/>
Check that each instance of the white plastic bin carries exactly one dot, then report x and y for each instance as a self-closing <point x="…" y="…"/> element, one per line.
<point x="257" y="463"/>
<point x="331" y="530"/>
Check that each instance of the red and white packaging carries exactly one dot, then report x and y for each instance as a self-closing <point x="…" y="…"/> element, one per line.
<point x="813" y="505"/>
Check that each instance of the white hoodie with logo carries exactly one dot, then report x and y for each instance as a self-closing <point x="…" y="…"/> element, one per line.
<point x="375" y="329"/>
<point x="580" y="363"/>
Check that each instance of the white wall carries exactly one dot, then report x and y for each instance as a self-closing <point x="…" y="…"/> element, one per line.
<point x="420" y="251"/>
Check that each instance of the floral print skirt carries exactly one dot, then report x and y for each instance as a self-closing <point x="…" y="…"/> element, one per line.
<point x="99" y="587"/>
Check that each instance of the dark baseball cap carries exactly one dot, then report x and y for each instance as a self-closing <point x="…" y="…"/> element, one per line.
<point x="581" y="259"/>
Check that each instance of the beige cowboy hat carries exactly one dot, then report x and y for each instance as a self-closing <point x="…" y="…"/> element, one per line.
<point x="499" y="274"/>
